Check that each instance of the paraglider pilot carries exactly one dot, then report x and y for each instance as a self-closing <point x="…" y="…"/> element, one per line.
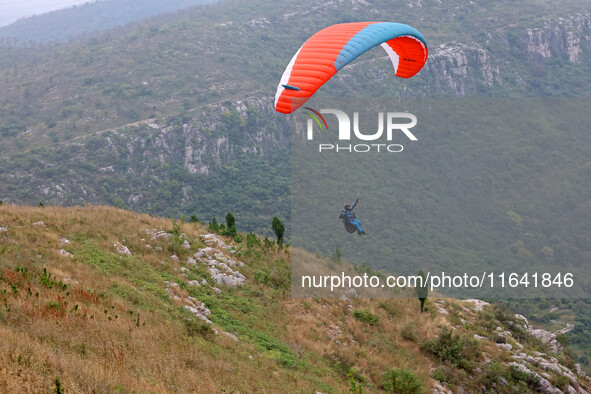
<point x="348" y="217"/>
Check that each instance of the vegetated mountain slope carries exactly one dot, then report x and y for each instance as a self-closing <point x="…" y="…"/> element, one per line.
<point x="217" y="52"/>
<point x="101" y="299"/>
<point x="196" y="90"/>
<point x="187" y="78"/>
<point x="91" y="17"/>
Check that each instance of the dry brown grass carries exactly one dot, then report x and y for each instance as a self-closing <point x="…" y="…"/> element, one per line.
<point x="96" y="339"/>
<point x="370" y="349"/>
<point x="101" y="346"/>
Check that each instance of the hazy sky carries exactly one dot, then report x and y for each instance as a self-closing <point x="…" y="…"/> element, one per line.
<point x="11" y="10"/>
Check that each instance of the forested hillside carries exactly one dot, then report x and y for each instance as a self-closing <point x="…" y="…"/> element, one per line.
<point x="69" y="23"/>
<point x="203" y="97"/>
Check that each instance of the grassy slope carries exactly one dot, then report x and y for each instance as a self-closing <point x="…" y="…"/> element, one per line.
<point x="126" y="331"/>
<point x="100" y="321"/>
<point x="68" y="23"/>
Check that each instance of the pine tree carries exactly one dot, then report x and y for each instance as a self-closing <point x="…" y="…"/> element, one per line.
<point x="279" y="229"/>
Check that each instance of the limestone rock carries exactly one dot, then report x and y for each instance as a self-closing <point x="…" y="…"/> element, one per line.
<point x="122" y="249"/>
<point x="65" y="253"/>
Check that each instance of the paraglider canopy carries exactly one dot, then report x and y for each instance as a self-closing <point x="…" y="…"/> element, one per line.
<point x="332" y="48"/>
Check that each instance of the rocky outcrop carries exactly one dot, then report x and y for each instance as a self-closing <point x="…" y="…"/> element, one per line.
<point x="122" y="249"/>
<point x="457" y="66"/>
<point x="541" y="369"/>
<point x="194" y="306"/>
<point x="547" y="337"/>
<point x="542" y="384"/>
<point x="563" y="37"/>
<point x="219" y="267"/>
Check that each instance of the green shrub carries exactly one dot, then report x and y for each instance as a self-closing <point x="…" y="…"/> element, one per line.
<point x="491" y="377"/>
<point x="339" y="362"/>
<point x="366" y="316"/>
<point x="336" y="256"/>
<point x="355" y="382"/>
<point x="59" y="389"/>
<point x="409" y="332"/>
<point x="459" y="350"/>
<point x="277" y="278"/>
<point x="252" y="241"/>
<point x="390" y="307"/>
<point x="401" y="381"/>
<point x="198" y="327"/>
<point x="561" y="381"/>
<point x="531" y="379"/>
<point x="213" y="226"/>
<point x="263" y="276"/>
<point x="268" y="242"/>
<point x="563" y="339"/>
<point x="449" y="374"/>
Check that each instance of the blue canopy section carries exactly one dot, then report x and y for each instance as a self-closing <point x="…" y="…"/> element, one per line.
<point x="371" y="36"/>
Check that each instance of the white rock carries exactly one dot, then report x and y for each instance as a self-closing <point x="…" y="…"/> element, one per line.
<point x="543" y="385"/>
<point x="122" y="249"/>
<point x="523" y="320"/>
<point x="207" y="250"/>
<point x="186" y="245"/>
<point x="231" y="336"/>
<point x="204" y="282"/>
<point x="39" y="224"/>
<point x="479" y="337"/>
<point x="478" y="304"/>
<point x="64" y="241"/>
<point x="232" y="279"/>
<point x="214" y="240"/>
<point x="216" y="290"/>
<point x="439" y="388"/>
<point x="148" y="246"/>
<point x="194" y="283"/>
<point x="506" y="346"/>
<point x="173" y="257"/>
<point x="155" y="234"/>
<point x="197" y="313"/>
<point x="191" y="261"/>
<point x="547" y="337"/>
<point x="65" y="253"/>
<point x="570" y="390"/>
<point x="569" y="327"/>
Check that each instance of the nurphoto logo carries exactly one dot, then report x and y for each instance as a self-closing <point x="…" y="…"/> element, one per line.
<point x="393" y="123"/>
